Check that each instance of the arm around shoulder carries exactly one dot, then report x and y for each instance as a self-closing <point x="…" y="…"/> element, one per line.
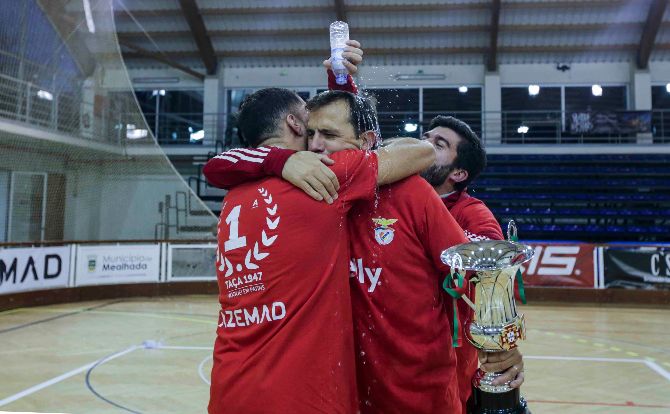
<point x="403" y="158"/>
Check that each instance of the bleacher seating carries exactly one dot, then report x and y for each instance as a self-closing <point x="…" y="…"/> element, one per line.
<point x="593" y="198"/>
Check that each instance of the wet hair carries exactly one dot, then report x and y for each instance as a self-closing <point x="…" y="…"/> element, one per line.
<point x="261" y="114"/>
<point x="362" y="110"/>
<point x="470" y="154"/>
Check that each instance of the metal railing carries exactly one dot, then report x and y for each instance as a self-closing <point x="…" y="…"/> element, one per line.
<point x="505" y="127"/>
<point x="110" y="119"/>
<point x="27" y="102"/>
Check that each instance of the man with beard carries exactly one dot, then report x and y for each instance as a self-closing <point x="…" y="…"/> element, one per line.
<point x="285" y="340"/>
<point x="405" y="359"/>
<point x="460" y="159"/>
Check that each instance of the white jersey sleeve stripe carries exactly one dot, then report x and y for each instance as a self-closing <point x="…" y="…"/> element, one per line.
<point x="266" y="149"/>
<point x="250" y="152"/>
<point x="245" y="158"/>
<point x="227" y="158"/>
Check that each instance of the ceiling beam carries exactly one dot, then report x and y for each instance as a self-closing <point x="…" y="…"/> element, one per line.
<point x="316" y="53"/>
<point x="492" y="57"/>
<point x="368" y="8"/>
<point x="199" y="32"/>
<point x="651" y="26"/>
<point x="138" y="52"/>
<point x="377" y="30"/>
<point x="340" y="10"/>
<point x="565" y="4"/>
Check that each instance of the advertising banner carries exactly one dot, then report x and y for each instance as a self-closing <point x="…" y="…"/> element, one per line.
<point x="34" y="268"/>
<point x="610" y="123"/>
<point x="637" y="267"/>
<point x="561" y="265"/>
<point x="190" y="262"/>
<point x="101" y="265"/>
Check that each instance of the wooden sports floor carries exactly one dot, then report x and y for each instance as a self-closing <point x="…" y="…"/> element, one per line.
<point x="154" y="356"/>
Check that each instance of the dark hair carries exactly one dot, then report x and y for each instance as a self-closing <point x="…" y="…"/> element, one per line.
<point x="470" y="154"/>
<point x="262" y="112"/>
<point x="362" y="110"/>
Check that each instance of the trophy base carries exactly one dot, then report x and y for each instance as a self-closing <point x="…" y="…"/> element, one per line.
<point x="510" y="402"/>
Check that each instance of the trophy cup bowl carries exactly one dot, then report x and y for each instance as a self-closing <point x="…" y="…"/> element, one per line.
<point x="496" y="325"/>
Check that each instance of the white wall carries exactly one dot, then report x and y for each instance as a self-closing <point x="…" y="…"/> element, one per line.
<point x="579" y="74"/>
<point x="105" y="199"/>
<point x="382" y="76"/>
<point x="110" y="203"/>
<point x="118" y="79"/>
<point x="660" y="72"/>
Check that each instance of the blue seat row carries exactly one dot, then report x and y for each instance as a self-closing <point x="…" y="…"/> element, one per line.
<point x="592" y="228"/>
<point x="576" y="212"/>
<point x="613" y="197"/>
<point x="597" y="183"/>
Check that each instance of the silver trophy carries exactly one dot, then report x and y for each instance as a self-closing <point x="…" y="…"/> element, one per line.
<point x="496" y="325"/>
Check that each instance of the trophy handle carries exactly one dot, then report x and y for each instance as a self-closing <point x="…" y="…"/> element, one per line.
<point x="456" y="263"/>
<point x="511" y="231"/>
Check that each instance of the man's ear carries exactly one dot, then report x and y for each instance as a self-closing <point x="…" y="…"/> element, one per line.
<point x="458" y="175"/>
<point x="296" y="126"/>
<point x="369" y="139"/>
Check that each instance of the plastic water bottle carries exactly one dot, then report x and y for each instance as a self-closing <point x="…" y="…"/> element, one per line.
<point x="339" y="34"/>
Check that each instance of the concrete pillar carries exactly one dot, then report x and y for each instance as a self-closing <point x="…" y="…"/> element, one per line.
<point x="640" y="94"/>
<point x="492" y="130"/>
<point x="213" y="110"/>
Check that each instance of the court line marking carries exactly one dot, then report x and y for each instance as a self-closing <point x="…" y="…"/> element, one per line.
<point x="650" y="364"/>
<point x="100" y="361"/>
<point x="125" y="313"/>
<point x="64" y="313"/>
<point x="63" y="377"/>
<point x="186" y="348"/>
<point x="659" y="369"/>
<point x="200" y="367"/>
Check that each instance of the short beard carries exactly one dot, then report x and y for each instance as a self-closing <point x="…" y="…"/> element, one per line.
<point x="436" y="175"/>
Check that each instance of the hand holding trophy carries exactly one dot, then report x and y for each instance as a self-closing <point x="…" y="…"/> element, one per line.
<point x="496" y="325"/>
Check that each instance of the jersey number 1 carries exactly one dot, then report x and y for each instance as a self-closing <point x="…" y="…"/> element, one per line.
<point x="234" y="241"/>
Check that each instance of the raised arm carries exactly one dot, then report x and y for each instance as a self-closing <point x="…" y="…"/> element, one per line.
<point x="402" y="158"/>
<point x="353" y="56"/>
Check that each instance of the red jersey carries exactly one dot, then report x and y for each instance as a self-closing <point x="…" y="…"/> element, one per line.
<point x="285" y="339"/>
<point x="473" y="216"/>
<point x="405" y="359"/>
<point x="479" y="224"/>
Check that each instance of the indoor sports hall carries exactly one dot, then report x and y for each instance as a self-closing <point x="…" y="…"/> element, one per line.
<point x="110" y="236"/>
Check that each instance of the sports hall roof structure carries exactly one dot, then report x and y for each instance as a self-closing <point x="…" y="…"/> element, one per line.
<point x="203" y="34"/>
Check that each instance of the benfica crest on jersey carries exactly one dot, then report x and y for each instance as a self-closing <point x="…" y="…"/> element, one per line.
<point x="383" y="232"/>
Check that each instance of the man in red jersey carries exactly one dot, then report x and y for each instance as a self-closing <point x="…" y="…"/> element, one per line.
<point x="405" y="360"/>
<point x="284" y="340"/>
<point x="404" y="355"/>
<point x="460" y="158"/>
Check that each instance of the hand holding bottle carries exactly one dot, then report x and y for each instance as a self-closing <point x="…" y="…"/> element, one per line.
<point x="353" y="56"/>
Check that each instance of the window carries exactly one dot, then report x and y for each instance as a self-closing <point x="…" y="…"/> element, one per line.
<point x="175" y="117"/>
<point x="582" y="99"/>
<point x="660" y="117"/>
<point x="582" y="104"/>
<point x="531" y="118"/>
<point x="465" y="105"/>
<point x="398" y="111"/>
